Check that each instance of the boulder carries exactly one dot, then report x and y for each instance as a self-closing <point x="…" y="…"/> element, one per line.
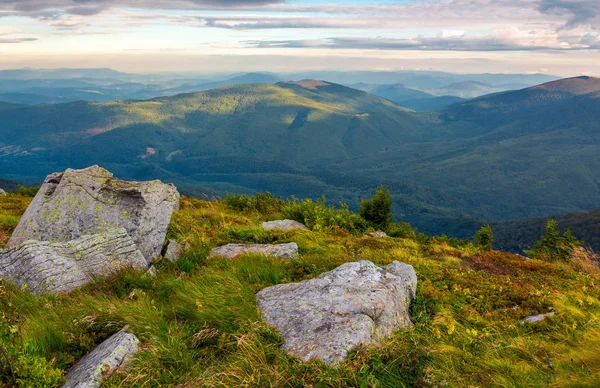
<point x="283" y="225"/>
<point x="74" y="203"/>
<point x="378" y="234"/>
<point x="46" y="267"/>
<point x="328" y="316"/>
<point x="101" y="362"/>
<point x="172" y="251"/>
<point x="536" y="318"/>
<point x="231" y="251"/>
<point x="3" y="193"/>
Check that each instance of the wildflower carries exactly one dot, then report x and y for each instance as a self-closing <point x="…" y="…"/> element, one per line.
<point x="436" y="333"/>
<point x="451" y="328"/>
<point x="574" y="326"/>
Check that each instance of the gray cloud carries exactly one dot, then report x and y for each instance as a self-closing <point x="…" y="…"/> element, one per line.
<point x="463" y="42"/>
<point x="16" y="40"/>
<point x="52" y="9"/>
<point x="578" y="12"/>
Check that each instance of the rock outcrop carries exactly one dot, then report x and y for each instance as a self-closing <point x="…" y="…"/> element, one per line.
<point x="46" y="267"/>
<point x="3" y="193"/>
<point x="326" y="317"/>
<point x="377" y="234"/>
<point x="102" y="361"/>
<point x="80" y="202"/>
<point x="231" y="251"/>
<point x="283" y="225"/>
<point x="536" y="318"/>
<point x="172" y="251"/>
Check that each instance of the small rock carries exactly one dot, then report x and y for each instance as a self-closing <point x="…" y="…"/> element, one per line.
<point x="152" y="271"/>
<point x="173" y="251"/>
<point x="101" y="362"/>
<point x="283" y="225"/>
<point x="377" y="234"/>
<point x="74" y="203"/>
<point x="231" y="251"/>
<point x="3" y="193"/>
<point x="536" y="318"/>
<point x="326" y="317"/>
<point x="45" y="267"/>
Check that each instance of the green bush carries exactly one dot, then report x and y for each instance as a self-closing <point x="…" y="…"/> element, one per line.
<point x="553" y="246"/>
<point x="484" y="238"/>
<point x="317" y="215"/>
<point x="402" y="230"/>
<point x="264" y="203"/>
<point x="36" y="372"/>
<point x="30" y="191"/>
<point x="378" y="210"/>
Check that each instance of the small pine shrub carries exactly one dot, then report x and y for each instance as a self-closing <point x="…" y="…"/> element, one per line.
<point x="484" y="238"/>
<point x="553" y="246"/>
<point x="36" y="372"/>
<point x="378" y="210"/>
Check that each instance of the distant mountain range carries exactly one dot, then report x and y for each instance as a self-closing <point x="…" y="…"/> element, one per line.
<point x="516" y="154"/>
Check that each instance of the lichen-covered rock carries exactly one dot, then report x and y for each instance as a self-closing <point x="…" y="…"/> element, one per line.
<point x="102" y="361"/>
<point x="326" y="317"/>
<point x="231" y="251"/>
<point x="79" y="202"/>
<point x="2" y="193"/>
<point x="377" y="234"/>
<point x="44" y="267"/>
<point x="172" y="251"/>
<point x="536" y="318"/>
<point x="283" y="225"/>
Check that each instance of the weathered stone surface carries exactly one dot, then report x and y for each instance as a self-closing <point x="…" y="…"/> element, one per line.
<point x="536" y="318"/>
<point x="377" y="234"/>
<point x="3" y="193"/>
<point x="231" y="251"/>
<point x="283" y="225"/>
<point x="79" y="202"/>
<point x="173" y="251"/>
<point x="326" y="317"/>
<point x="102" y="361"/>
<point x="46" y="267"/>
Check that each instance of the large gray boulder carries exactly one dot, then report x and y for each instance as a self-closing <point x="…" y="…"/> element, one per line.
<point x="283" y="225"/>
<point x="231" y="251"/>
<point x="102" y="361"/>
<point x="45" y="267"/>
<point x="326" y="317"/>
<point x="3" y="193"/>
<point x="74" y="203"/>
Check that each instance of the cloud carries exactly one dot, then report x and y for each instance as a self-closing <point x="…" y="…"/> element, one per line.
<point x="16" y="40"/>
<point x="53" y="8"/>
<point x="508" y="39"/>
<point x="577" y="12"/>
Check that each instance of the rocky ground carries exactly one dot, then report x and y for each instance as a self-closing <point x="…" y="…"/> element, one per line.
<point x="204" y="319"/>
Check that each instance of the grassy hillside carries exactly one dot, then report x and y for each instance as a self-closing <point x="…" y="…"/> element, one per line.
<point x="515" y="236"/>
<point x="200" y="326"/>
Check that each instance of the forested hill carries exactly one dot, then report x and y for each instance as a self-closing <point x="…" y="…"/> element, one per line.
<point x="515" y="236"/>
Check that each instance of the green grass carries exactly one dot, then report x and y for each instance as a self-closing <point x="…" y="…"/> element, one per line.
<point x="200" y="327"/>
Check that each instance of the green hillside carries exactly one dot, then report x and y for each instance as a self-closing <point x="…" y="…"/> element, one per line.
<point x="500" y="157"/>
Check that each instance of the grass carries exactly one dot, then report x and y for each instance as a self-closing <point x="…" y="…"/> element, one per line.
<point x="200" y="327"/>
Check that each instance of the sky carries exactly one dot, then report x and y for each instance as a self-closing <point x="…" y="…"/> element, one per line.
<point x="559" y="37"/>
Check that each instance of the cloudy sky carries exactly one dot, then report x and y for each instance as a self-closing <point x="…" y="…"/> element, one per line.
<point x="551" y="36"/>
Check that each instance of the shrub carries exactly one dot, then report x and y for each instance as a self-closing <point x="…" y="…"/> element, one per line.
<point x="316" y="215"/>
<point x="36" y="372"/>
<point x="23" y="191"/>
<point x="402" y="230"/>
<point x="264" y="203"/>
<point x="378" y="209"/>
<point x="484" y="238"/>
<point x="553" y="246"/>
